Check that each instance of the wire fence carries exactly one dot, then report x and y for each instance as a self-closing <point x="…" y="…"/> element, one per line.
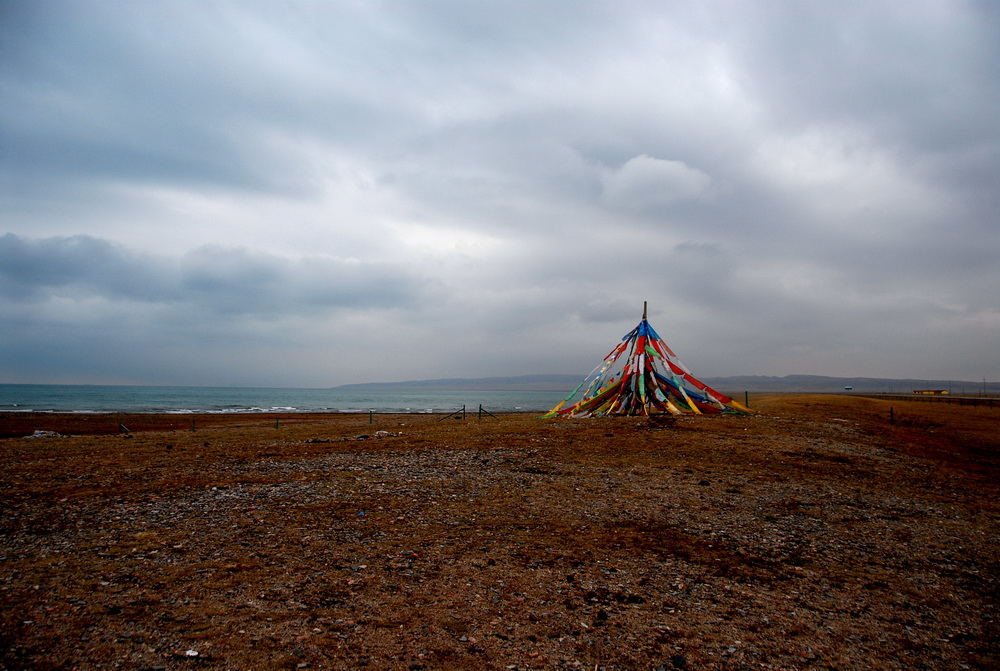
<point x="974" y="401"/>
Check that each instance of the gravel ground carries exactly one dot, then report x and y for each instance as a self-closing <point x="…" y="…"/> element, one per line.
<point x="813" y="535"/>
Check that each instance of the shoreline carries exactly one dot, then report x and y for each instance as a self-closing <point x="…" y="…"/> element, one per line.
<point x="21" y="424"/>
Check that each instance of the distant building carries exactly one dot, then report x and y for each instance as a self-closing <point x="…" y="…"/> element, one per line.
<point x="931" y="392"/>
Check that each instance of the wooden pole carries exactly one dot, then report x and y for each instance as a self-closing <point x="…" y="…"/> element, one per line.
<point x="644" y="311"/>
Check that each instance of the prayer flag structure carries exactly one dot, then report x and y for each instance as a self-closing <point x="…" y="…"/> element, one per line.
<point x="649" y="380"/>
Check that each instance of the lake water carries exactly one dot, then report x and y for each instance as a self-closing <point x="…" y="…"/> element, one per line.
<point x="134" y="399"/>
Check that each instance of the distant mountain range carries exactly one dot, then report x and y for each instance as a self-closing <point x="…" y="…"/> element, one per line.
<point x="728" y="385"/>
<point x="518" y="383"/>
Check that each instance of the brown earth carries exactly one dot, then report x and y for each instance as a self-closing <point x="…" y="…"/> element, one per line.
<point x="815" y="535"/>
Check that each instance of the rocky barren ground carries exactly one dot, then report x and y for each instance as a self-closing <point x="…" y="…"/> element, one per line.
<point x="814" y="535"/>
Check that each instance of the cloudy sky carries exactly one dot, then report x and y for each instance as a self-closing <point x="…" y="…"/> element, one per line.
<point x="317" y="193"/>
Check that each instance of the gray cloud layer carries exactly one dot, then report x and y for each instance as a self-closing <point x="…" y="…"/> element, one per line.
<point x="313" y="193"/>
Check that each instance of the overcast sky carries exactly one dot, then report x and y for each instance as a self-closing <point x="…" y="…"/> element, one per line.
<point x="318" y="193"/>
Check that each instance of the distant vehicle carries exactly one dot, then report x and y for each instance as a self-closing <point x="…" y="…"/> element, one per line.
<point x="848" y="388"/>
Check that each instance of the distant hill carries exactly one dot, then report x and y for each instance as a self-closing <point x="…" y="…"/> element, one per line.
<point x="728" y="385"/>
<point x="825" y="384"/>
<point x="518" y="383"/>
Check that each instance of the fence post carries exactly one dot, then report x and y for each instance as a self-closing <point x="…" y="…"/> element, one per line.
<point x="454" y="414"/>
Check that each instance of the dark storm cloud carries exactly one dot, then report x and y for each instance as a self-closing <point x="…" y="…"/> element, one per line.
<point x="209" y="278"/>
<point x="32" y="269"/>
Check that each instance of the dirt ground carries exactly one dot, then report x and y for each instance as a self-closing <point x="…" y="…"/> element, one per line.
<point x="814" y="535"/>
